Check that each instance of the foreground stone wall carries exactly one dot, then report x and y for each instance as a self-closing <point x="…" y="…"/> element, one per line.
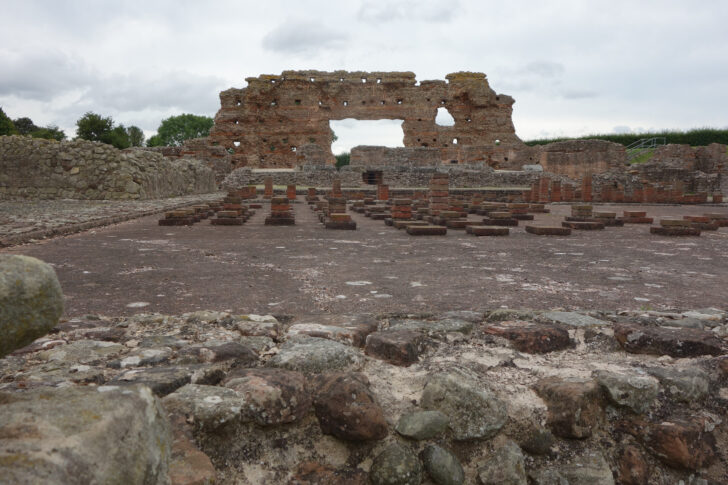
<point x="80" y="169"/>
<point x="267" y="122"/>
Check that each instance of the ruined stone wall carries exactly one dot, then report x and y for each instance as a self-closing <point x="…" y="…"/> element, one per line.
<point x="578" y="158"/>
<point x="80" y="169"/>
<point x="697" y="169"/>
<point x="396" y="177"/>
<point x="268" y="121"/>
<point x="216" y="157"/>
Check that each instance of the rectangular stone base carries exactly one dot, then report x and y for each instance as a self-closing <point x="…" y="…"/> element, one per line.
<point x="487" y="230"/>
<point x="348" y="225"/>
<point x="184" y="221"/>
<point x="379" y="216"/>
<point x="406" y="224"/>
<point x="279" y="221"/>
<point x="610" y="221"/>
<point x="227" y="221"/>
<point x="500" y="222"/>
<point x="674" y="231"/>
<point x="522" y="217"/>
<point x="637" y="220"/>
<point x="548" y="230"/>
<point x="705" y="226"/>
<point x="426" y="230"/>
<point x="583" y="226"/>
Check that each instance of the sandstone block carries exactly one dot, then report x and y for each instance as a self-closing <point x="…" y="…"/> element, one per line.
<point x="574" y="405"/>
<point x="31" y="301"/>
<point x="73" y="435"/>
<point x="532" y="338"/>
<point x="346" y="408"/>
<point x="675" y="342"/>
<point x="548" y="230"/>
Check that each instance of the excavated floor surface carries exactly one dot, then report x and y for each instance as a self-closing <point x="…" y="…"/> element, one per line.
<point x="138" y="266"/>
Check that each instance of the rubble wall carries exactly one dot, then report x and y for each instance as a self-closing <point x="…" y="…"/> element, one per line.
<point x="215" y="157"/>
<point x="266" y="123"/>
<point x="80" y="169"/>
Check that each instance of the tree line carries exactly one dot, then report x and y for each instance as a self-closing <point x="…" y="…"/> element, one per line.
<point x="695" y="137"/>
<point x="172" y="131"/>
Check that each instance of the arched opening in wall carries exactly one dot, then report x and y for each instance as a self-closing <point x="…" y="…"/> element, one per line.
<point x="444" y="118"/>
<point x="351" y="132"/>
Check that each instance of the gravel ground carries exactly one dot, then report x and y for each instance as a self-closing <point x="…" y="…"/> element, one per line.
<point x="138" y="266"/>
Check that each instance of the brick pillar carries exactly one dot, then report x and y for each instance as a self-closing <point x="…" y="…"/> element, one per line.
<point x="268" y="192"/>
<point x="543" y="189"/>
<point x="336" y="187"/>
<point x="382" y="192"/>
<point x="586" y="188"/>
<point x="555" y="191"/>
<point x="291" y="192"/>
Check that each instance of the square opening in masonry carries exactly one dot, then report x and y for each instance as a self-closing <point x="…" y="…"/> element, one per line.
<point x="351" y="132"/>
<point x="372" y="177"/>
<point x="444" y="118"/>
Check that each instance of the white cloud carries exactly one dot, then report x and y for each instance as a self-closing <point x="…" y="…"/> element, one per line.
<point x="297" y="37"/>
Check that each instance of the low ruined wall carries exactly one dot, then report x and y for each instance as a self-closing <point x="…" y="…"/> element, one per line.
<point x="215" y="157"/>
<point x="80" y="169"/>
<point x="697" y="169"/>
<point x="475" y="176"/>
<point x="578" y="158"/>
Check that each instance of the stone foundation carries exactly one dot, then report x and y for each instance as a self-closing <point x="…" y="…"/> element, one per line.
<point x="80" y="169"/>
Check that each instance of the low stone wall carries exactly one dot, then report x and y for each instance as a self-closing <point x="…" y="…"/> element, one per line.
<point x="577" y="158"/>
<point x="697" y="169"/>
<point x="215" y="157"/>
<point x="472" y="176"/>
<point x="80" y="169"/>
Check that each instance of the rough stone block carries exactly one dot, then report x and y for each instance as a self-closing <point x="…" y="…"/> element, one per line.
<point x="487" y="230"/>
<point x="674" y="231"/>
<point x="584" y="226"/>
<point x="548" y="230"/>
<point x="426" y="230"/>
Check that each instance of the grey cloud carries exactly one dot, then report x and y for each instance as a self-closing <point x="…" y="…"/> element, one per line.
<point x="546" y="69"/>
<point x="578" y="94"/>
<point x="41" y="76"/>
<point x="428" y="11"/>
<point x="295" y="37"/>
<point x="166" y="90"/>
<point x="622" y="129"/>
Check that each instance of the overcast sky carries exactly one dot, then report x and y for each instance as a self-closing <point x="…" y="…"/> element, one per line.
<point x="574" y="67"/>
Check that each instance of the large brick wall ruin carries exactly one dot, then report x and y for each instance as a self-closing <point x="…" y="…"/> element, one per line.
<point x="266" y="123"/>
<point x="80" y="169"/>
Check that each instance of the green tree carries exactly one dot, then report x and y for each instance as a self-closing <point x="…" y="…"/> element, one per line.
<point x="342" y="159"/>
<point x="176" y="129"/>
<point x="136" y="136"/>
<point x="25" y="126"/>
<point x="6" y="124"/>
<point x="50" y="132"/>
<point x="118" y="137"/>
<point x="94" y="127"/>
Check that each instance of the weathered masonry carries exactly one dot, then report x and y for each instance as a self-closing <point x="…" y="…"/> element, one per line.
<point x="268" y="123"/>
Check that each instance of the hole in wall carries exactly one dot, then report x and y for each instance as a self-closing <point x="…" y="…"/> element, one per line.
<point x="320" y="103"/>
<point x="444" y="118"/>
<point x="497" y="142"/>
<point x="364" y="80"/>
<point x="351" y="132"/>
<point x="298" y="101"/>
<point x="236" y="143"/>
<point x="372" y="177"/>
<point x="399" y="101"/>
<point x="293" y="149"/>
<point x="379" y="80"/>
<point x="273" y="103"/>
<point x="312" y="79"/>
<point x="346" y="103"/>
<point x="381" y="102"/>
<point x="454" y="141"/>
<point x="454" y="162"/>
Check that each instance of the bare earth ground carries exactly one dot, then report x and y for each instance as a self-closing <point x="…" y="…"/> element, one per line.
<point x="138" y="266"/>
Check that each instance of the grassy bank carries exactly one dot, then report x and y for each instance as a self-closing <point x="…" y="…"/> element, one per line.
<point x="696" y="137"/>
